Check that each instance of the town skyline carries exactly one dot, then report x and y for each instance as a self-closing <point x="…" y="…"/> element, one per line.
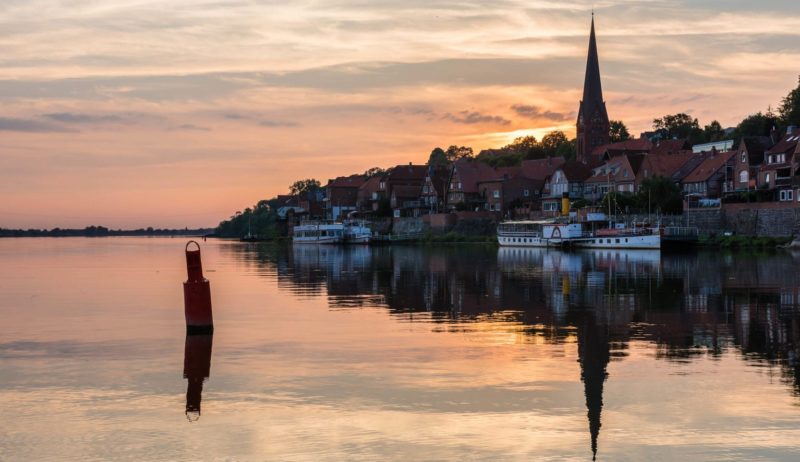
<point x="130" y="136"/>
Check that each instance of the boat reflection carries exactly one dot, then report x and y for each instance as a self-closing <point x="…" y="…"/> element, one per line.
<point x="196" y="369"/>
<point x="687" y="305"/>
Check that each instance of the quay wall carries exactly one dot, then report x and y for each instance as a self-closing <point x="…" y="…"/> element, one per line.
<point x="772" y="219"/>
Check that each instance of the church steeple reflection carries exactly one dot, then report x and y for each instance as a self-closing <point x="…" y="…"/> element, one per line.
<point x="196" y="369"/>
<point x="594" y="356"/>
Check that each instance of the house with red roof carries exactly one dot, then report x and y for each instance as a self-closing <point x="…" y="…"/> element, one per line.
<point x="712" y="176"/>
<point x="539" y="169"/>
<point x="601" y="154"/>
<point x="462" y="190"/>
<point x="670" y="166"/>
<point x="780" y="166"/>
<point x="341" y="196"/>
<point x="369" y="194"/>
<point x="567" y="180"/>
<point x="749" y="157"/>
<point x="621" y="173"/>
<point x="434" y="190"/>
<point x="510" y="193"/>
<point x="403" y="186"/>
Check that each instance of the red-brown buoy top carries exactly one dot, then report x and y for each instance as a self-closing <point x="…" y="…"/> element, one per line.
<point x="194" y="266"/>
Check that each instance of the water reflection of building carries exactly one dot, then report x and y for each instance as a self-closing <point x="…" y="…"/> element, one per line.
<point x="687" y="305"/>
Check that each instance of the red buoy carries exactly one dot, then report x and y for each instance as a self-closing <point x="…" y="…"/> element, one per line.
<point x="197" y="295"/>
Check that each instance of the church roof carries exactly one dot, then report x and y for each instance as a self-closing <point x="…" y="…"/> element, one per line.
<point x="592" y="88"/>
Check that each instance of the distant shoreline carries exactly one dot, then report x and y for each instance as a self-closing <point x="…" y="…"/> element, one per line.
<point x="101" y="231"/>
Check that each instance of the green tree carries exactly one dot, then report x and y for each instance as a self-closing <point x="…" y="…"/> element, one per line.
<point x="304" y="186"/>
<point x="658" y="194"/>
<point x="620" y="202"/>
<point x="757" y="124"/>
<point x="790" y="107"/>
<point x="454" y="153"/>
<point x="618" y="131"/>
<point x="523" y="145"/>
<point x="552" y="141"/>
<point x="679" y="126"/>
<point x="713" y="132"/>
<point x="568" y="150"/>
<point x="374" y="171"/>
<point x="438" y="158"/>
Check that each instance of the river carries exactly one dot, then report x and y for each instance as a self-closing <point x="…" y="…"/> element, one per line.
<point x="397" y="353"/>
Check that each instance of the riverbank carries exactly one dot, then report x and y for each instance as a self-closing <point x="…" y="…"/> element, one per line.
<point x="743" y="242"/>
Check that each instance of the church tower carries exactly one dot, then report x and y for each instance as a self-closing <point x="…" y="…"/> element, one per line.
<point x="593" y="123"/>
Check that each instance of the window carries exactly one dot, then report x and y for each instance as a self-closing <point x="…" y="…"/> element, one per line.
<point x="771" y="159"/>
<point x="744" y="157"/>
<point x="625" y="173"/>
<point x="743" y="176"/>
<point x="789" y="194"/>
<point x="496" y="193"/>
<point x="766" y="178"/>
<point x="781" y="158"/>
<point x="798" y="195"/>
<point x="526" y="193"/>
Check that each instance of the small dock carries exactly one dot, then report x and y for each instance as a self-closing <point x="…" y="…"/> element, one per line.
<point x="680" y="235"/>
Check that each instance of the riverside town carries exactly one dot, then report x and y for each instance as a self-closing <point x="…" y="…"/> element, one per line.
<point x="709" y="184"/>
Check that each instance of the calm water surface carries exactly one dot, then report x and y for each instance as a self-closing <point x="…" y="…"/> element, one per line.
<point x="403" y="353"/>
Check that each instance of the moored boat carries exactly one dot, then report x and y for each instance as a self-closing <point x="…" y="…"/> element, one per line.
<point x="595" y="232"/>
<point x="350" y="232"/>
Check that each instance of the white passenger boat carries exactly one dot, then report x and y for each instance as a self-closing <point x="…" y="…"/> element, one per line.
<point x="350" y="232"/>
<point x="537" y="233"/>
<point x="594" y="233"/>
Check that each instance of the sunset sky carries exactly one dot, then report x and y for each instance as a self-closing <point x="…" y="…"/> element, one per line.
<point x="132" y="113"/>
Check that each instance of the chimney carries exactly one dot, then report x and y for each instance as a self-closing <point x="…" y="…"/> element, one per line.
<point x="773" y="134"/>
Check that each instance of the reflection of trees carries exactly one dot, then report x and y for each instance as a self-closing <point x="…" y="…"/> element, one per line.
<point x="688" y="305"/>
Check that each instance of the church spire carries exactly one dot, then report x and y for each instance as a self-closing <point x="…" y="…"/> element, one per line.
<point x="593" y="124"/>
<point x="592" y="88"/>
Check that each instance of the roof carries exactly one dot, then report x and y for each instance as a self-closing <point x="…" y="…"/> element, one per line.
<point x="787" y="144"/>
<point x="352" y="181"/>
<point x="688" y="167"/>
<point x="501" y="174"/>
<point x="592" y="101"/>
<point x="667" y="165"/>
<point x="471" y="171"/>
<point x="665" y="147"/>
<point x="710" y="165"/>
<point x="539" y="169"/>
<point x="406" y="191"/>
<point x="576" y="171"/>
<point x="370" y="186"/>
<point x="618" y="165"/>
<point x="408" y="172"/>
<point x="637" y="145"/>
